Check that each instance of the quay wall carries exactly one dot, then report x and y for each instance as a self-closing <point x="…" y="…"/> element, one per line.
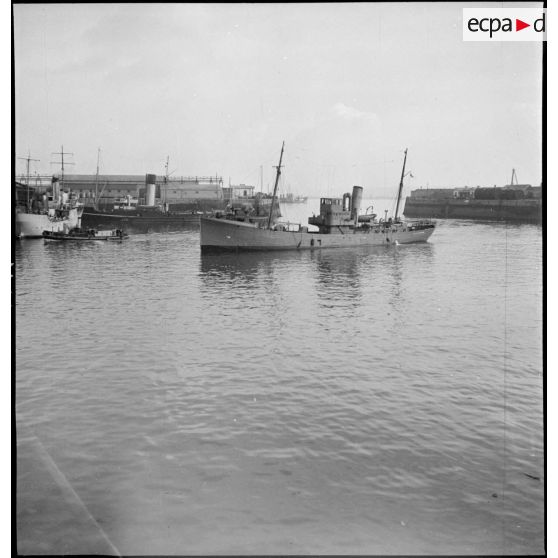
<point x="526" y="210"/>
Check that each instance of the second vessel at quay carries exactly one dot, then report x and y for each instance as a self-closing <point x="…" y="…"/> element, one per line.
<point x="55" y="211"/>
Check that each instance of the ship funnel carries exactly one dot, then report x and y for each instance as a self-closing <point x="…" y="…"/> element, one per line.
<point x="356" y="201"/>
<point x="150" y="189"/>
<point x="55" y="190"/>
<point x="347" y="202"/>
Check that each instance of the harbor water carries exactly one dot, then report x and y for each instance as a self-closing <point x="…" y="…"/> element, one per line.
<point x="372" y="401"/>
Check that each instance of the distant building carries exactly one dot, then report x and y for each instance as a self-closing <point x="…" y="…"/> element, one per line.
<point x="188" y="189"/>
<point x="515" y="191"/>
<point x="432" y="193"/>
<point x="528" y="190"/>
<point x="39" y="182"/>
<point x="464" y="193"/>
<point x="106" y="189"/>
<point x="518" y="187"/>
<point x="238" y="192"/>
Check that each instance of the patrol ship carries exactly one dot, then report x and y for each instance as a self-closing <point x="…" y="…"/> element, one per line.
<point x="339" y="225"/>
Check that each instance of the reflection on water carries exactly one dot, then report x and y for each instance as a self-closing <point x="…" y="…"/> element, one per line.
<point x="246" y="265"/>
<point x="339" y="266"/>
<point x="367" y="401"/>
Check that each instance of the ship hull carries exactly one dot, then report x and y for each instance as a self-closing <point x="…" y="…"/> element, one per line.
<point x="85" y="236"/>
<point x="221" y="234"/>
<point x="528" y="211"/>
<point x="140" y="223"/>
<point x="32" y="225"/>
<point x="195" y="206"/>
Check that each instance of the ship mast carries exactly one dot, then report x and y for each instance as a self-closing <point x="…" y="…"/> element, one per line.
<point x="166" y="180"/>
<point x="400" y="187"/>
<point x="278" y="167"/>
<point x="28" y="159"/>
<point x="62" y="163"/>
<point x="97" y="176"/>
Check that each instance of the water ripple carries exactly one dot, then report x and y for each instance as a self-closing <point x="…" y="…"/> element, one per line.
<point x="372" y="401"/>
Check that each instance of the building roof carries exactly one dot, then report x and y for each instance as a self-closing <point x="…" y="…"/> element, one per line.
<point x="517" y="186"/>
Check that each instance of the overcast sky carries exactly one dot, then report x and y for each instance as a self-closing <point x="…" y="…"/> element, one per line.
<point x="218" y="87"/>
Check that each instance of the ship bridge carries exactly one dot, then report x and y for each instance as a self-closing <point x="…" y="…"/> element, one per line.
<point x="338" y="214"/>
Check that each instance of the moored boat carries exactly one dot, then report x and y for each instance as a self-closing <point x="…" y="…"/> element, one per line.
<point x="37" y="210"/>
<point x="55" y="212"/>
<point x="140" y="219"/>
<point x="339" y="225"/>
<point x="128" y="215"/>
<point x="291" y="198"/>
<point x="85" y="235"/>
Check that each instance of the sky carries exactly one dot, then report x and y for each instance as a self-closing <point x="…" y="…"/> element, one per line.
<point x="217" y="88"/>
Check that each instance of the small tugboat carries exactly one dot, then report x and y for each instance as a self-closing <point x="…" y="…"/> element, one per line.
<point x="339" y="225"/>
<point x="85" y="235"/>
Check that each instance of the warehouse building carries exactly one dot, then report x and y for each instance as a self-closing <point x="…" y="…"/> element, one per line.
<point x="105" y="190"/>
